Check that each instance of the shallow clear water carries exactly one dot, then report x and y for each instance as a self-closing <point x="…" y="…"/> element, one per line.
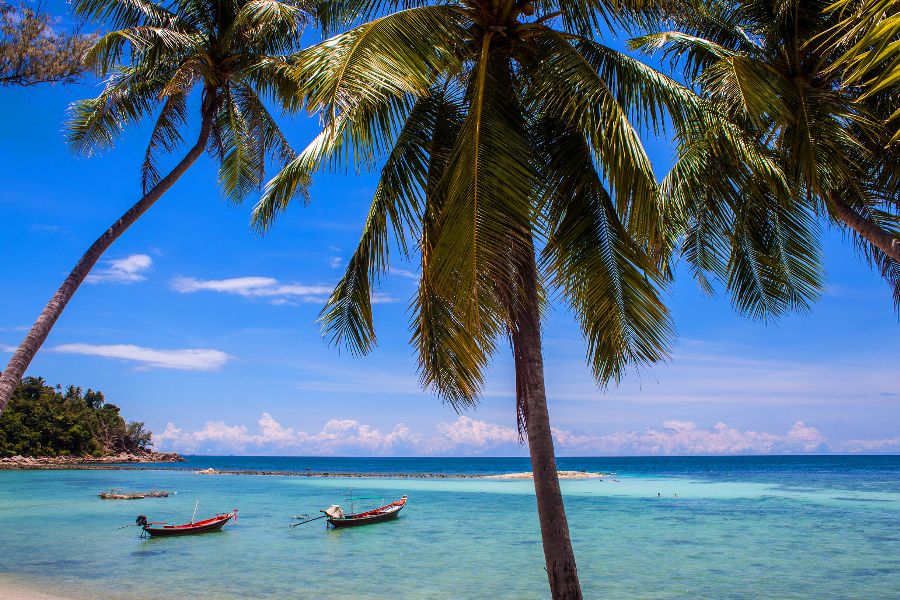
<point x="823" y="527"/>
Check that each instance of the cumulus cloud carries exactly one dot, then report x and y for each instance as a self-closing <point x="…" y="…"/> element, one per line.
<point x="685" y="438"/>
<point x="471" y="435"/>
<point x="877" y="446"/>
<point x="468" y="436"/>
<point x="335" y="261"/>
<point x="338" y="436"/>
<point x="130" y="269"/>
<point x="190" y="359"/>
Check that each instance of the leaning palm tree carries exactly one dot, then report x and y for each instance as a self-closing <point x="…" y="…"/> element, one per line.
<point x="798" y="144"/>
<point x="230" y="51"/>
<point x="509" y="159"/>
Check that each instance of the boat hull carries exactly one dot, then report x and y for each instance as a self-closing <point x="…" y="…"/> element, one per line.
<point x="207" y="526"/>
<point x="379" y="515"/>
<point x="351" y="522"/>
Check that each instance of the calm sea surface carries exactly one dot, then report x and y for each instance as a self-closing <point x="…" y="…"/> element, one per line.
<point x="783" y="527"/>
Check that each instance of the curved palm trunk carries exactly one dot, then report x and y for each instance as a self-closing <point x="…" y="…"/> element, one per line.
<point x="26" y="351"/>
<point x="866" y="229"/>
<point x="532" y="405"/>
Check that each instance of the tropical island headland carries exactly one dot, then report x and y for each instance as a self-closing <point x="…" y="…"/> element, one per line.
<point x="54" y="427"/>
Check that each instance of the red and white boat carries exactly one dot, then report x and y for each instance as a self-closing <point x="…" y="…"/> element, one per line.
<point x="207" y="525"/>
<point x="337" y="518"/>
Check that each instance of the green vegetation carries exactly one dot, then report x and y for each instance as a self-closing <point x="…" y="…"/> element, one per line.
<point x="795" y="145"/>
<point x="44" y="421"/>
<point x="507" y="137"/>
<point x="230" y="52"/>
<point x="510" y="157"/>
<point x="32" y="51"/>
<point x="868" y="33"/>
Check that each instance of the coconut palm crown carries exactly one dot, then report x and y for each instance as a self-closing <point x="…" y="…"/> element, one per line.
<point x="232" y="51"/>
<point x="800" y="145"/>
<point x="505" y="136"/>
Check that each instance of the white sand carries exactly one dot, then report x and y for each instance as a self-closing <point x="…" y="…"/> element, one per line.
<point x="562" y="475"/>
<point x="13" y="590"/>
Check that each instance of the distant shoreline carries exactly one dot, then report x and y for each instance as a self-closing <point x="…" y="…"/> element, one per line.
<point x="77" y="462"/>
<point x="94" y="466"/>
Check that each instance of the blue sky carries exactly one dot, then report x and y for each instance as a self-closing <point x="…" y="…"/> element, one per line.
<point x="207" y="332"/>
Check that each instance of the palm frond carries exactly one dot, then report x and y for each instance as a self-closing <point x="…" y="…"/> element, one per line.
<point x="121" y="14"/>
<point x="650" y="97"/>
<point x="347" y="316"/>
<point x="695" y="52"/>
<point x="587" y="103"/>
<point x="611" y="283"/>
<point x="452" y="360"/>
<point x="390" y="57"/>
<point x="360" y="137"/>
<point x="166" y="136"/>
<point x="270" y="27"/>
<point x="149" y="46"/>
<point x="128" y="96"/>
<point x="486" y="192"/>
<point x="243" y="164"/>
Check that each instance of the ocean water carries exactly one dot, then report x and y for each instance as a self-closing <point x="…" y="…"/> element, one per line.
<point x="747" y="527"/>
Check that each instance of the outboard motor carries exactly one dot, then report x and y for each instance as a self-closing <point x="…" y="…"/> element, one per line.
<point x="141" y="521"/>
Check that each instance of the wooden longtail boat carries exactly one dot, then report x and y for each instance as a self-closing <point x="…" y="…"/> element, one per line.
<point x="337" y="518"/>
<point x="214" y="524"/>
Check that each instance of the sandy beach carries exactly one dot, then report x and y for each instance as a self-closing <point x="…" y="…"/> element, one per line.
<point x="16" y="590"/>
<point x="562" y="475"/>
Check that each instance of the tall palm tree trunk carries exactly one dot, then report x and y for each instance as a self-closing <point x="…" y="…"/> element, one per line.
<point x="866" y="229"/>
<point x="531" y="397"/>
<point x="26" y="351"/>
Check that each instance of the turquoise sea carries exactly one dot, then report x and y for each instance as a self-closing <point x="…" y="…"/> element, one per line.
<point x="737" y="527"/>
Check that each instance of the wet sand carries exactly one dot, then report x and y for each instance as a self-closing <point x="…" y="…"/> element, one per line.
<point x="14" y="590"/>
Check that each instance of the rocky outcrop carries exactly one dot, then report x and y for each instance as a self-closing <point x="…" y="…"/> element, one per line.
<point x="63" y="462"/>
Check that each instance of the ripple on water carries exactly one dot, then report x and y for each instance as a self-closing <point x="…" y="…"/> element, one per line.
<point x="479" y="539"/>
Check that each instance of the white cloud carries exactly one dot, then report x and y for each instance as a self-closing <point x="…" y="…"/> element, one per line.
<point x="255" y="287"/>
<point x="471" y="434"/>
<point x="5" y="348"/>
<point x="403" y="273"/>
<point x="122" y="270"/>
<point x="191" y="359"/>
<point x="466" y="436"/>
<point x="685" y="438"/>
<point x="269" y="288"/>
<point x="44" y="228"/>
<point x="335" y="261"/>
<point x="380" y="298"/>
<point x="338" y="436"/>
<point x="878" y="446"/>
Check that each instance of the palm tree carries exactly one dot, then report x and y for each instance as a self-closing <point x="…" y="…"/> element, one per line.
<point x="228" y="50"/>
<point x="867" y="36"/>
<point x="508" y="156"/>
<point x="798" y="145"/>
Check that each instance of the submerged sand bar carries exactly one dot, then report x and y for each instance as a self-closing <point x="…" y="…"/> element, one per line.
<point x="562" y="475"/>
<point x="310" y="473"/>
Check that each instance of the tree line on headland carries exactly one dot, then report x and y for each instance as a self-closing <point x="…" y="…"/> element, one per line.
<point x="41" y="420"/>
<point x="506" y="138"/>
